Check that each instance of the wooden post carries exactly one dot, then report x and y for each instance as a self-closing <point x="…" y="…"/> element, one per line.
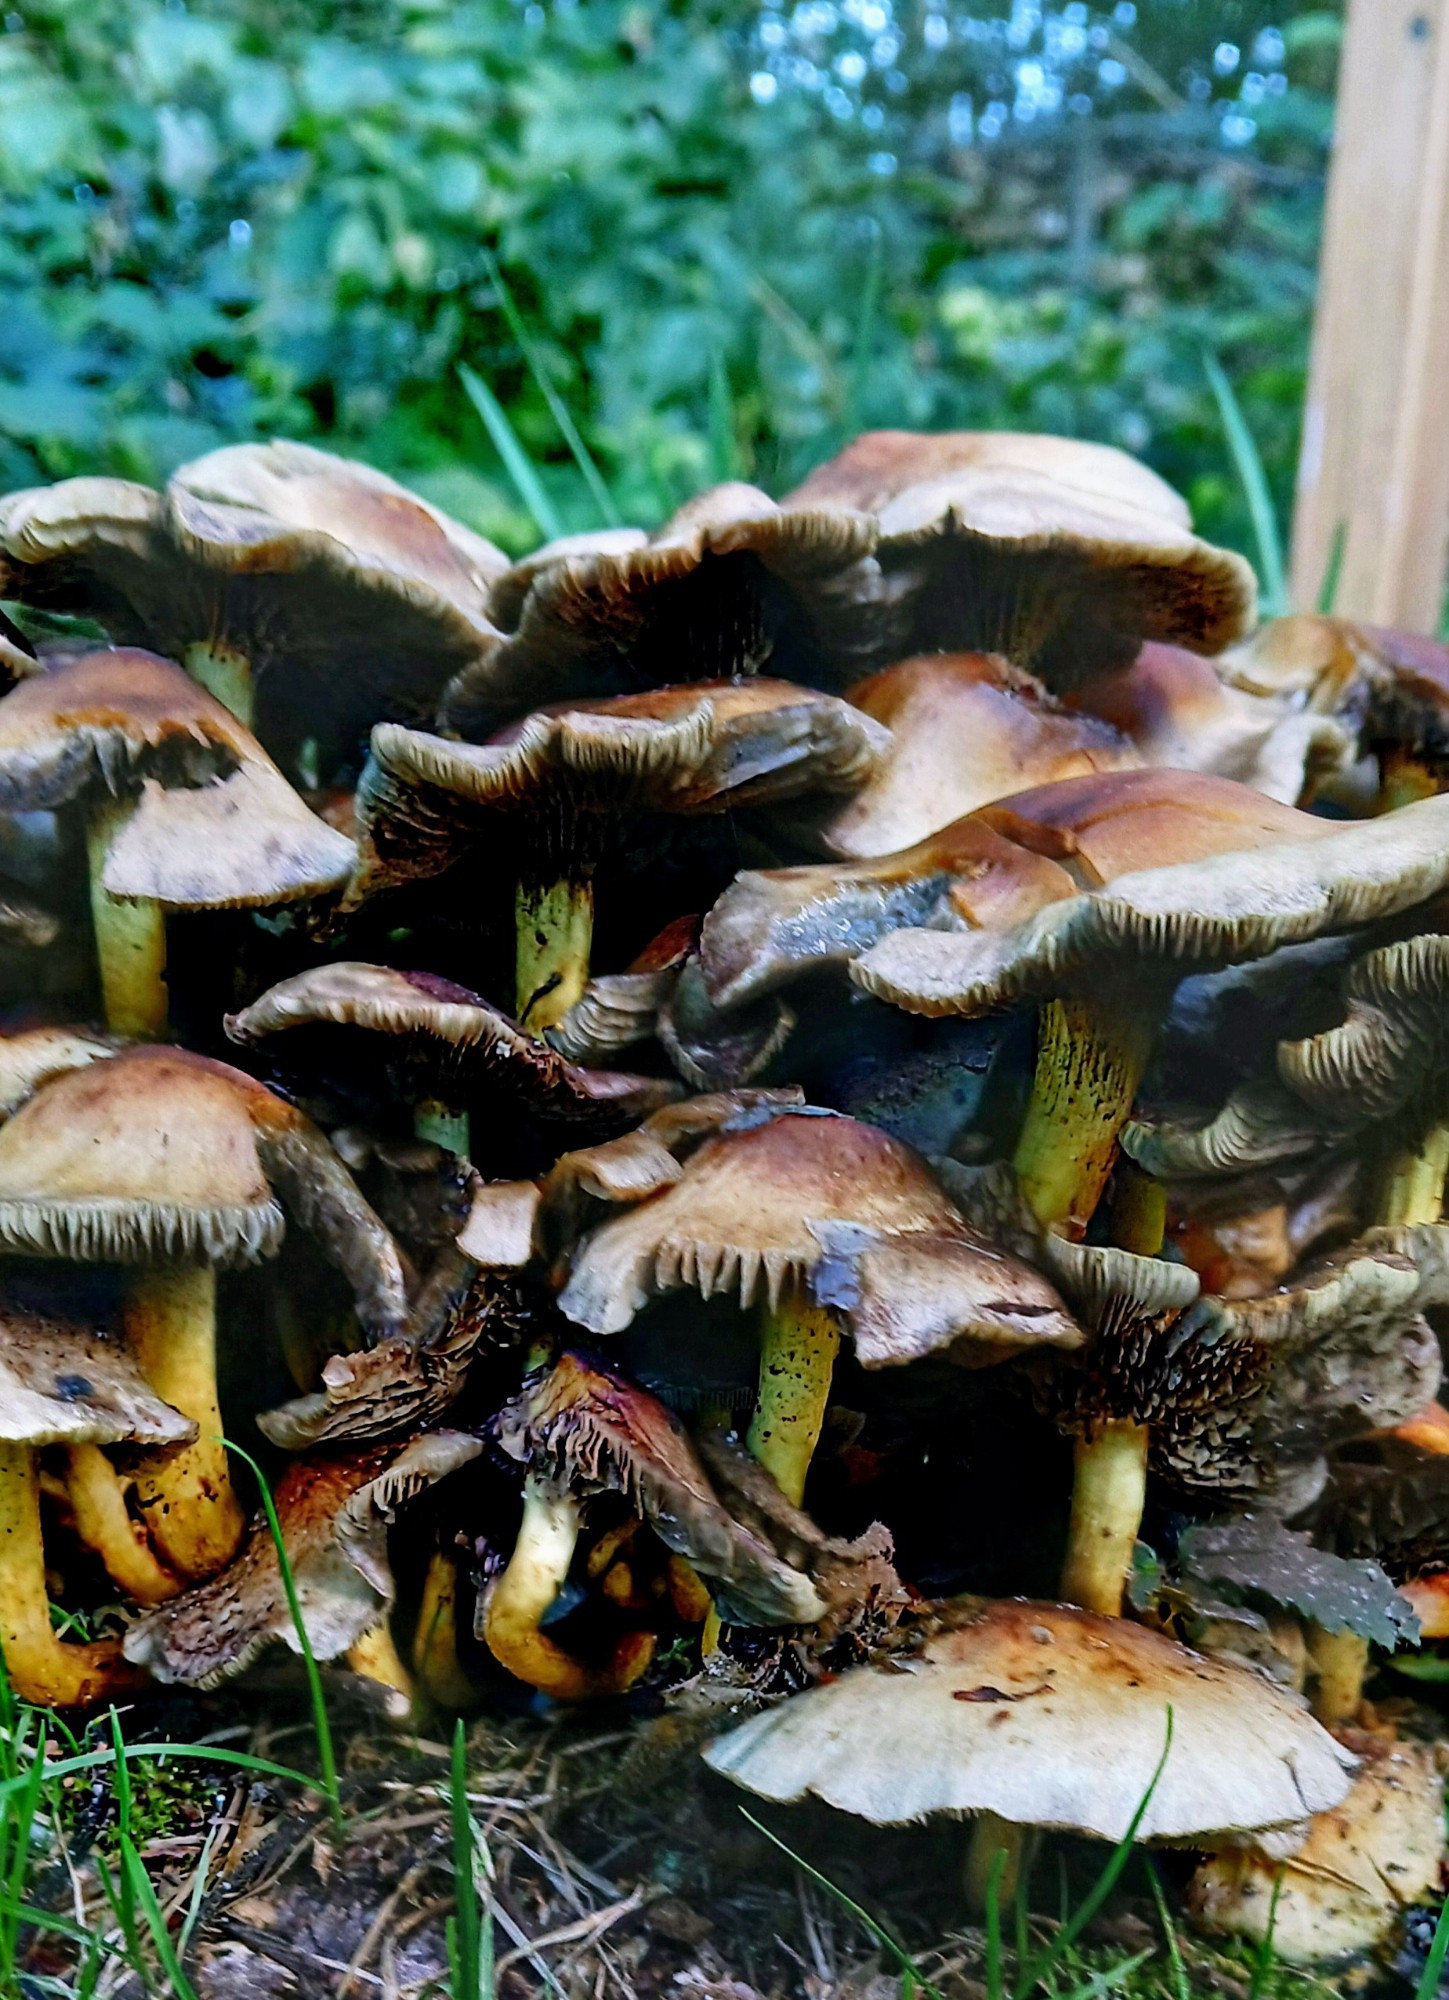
<point x="1373" y="476"/>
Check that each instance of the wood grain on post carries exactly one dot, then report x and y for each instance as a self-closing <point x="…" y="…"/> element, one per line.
<point x="1374" y="470"/>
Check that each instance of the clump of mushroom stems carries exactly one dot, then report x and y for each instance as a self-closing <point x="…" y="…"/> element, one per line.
<point x="435" y="1641"/>
<point x="40" y="1667"/>
<point x="104" y="1522"/>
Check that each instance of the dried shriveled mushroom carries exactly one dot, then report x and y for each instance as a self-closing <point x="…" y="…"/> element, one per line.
<point x="1040" y="1715"/>
<point x="62" y="1385"/>
<point x="171" y="1164"/>
<point x="334" y="1514"/>
<point x="446" y="1047"/>
<point x="1060" y="555"/>
<point x="549" y="791"/>
<point x="184" y="811"/>
<point x="966" y="729"/>
<point x="730" y="585"/>
<point x="826" y="1225"/>
<point x="310" y="588"/>
<point x="1366" y="1861"/>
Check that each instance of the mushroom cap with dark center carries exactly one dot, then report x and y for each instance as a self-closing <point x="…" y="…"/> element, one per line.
<point x="159" y="1156"/>
<point x="362" y="596"/>
<point x="1177" y="710"/>
<point x="1047" y="1716"/>
<point x="991" y="872"/>
<point x="65" y="1384"/>
<point x="334" y="1514"/>
<point x="555" y="780"/>
<point x="816" y="1199"/>
<point x="731" y="584"/>
<point x="1062" y="556"/>
<point x="1268" y="876"/>
<point x="452" y="1043"/>
<point x="216" y="825"/>
<point x="966" y="728"/>
<point x="595" y="1431"/>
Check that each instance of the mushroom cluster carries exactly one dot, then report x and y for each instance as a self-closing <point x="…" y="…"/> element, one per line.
<point x="842" y="1101"/>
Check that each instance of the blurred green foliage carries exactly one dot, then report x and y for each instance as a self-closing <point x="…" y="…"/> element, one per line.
<point x="733" y="236"/>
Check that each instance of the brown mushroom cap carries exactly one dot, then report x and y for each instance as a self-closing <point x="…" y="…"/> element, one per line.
<point x="1047" y="1716"/>
<point x="620" y="1009"/>
<point x="731" y="584"/>
<point x="997" y="871"/>
<point x="1364" y="1863"/>
<point x="35" y="1055"/>
<point x="1176" y="710"/>
<point x="216" y="826"/>
<point x="453" y="1042"/>
<point x="1389" y="689"/>
<point x="1062" y="556"/>
<point x="1270" y="877"/>
<point x="810" y="1197"/>
<point x="160" y="1156"/>
<point x="966" y="728"/>
<point x="703" y="748"/>
<point x="363" y="596"/>
<point x="334" y="1515"/>
<point x="64" y="1384"/>
<point x="595" y="1431"/>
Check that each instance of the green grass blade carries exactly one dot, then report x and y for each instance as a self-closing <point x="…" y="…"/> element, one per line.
<point x="994" y="1975"/>
<point x="516" y="461"/>
<point x="1254" y="481"/>
<point x="1108" y="1980"/>
<point x="1332" y="571"/>
<point x="1428" y="1986"/>
<point x="321" y="1726"/>
<point x="609" y="516"/>
<point x="125" y="1887"/>
<point x="144" y="1897"/>
<point x="1263" y="1958"/>
<point x="1181" y="1989"/>
<point x="470" y="1931"/>
<point x="904" y="1963"/>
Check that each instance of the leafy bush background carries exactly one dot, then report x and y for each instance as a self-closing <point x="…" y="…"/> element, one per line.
<point x="734" y="235"/>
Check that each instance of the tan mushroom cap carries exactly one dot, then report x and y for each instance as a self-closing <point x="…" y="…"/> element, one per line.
<point x="161" y="1156"/>
<point x="334" y="1515"/>
<point x="618" y="1010"/>
<point x="451" y="1036"/>
<point x="821" y="1200"/>
<point x="1062" y="555"/>
<point x="597" y="1432"/>
<point x="991" y="872"/>
<point x="731" y="583"/>
<point x="1047" y="1716"/>
<point x="35" y="1055"/>
<point x="1364" y="1863"/>
<point x="1388" y="688"/>
<point x="78" y="544"/>
<point x="216" y="826"/>
<point x="1176" y="710"/>
<point x="64" y="1384"/>
<point x="1279" y="879"/>
<point x="966" y="728"/>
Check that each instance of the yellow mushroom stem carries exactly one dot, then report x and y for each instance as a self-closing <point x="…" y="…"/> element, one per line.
<point x="375" y="1657"/>
<point x="995" y="1853"/>
<point x="435" y="1642"/>
<point x="1109" y="1492"/>
<point x="1340" y="1662"/>
<point x="225" y="673"/>
<point x="523" y="1594"/>
<point x="1090" y="1056"/>
<point x="97" y="1492"/>
<point x="39" y="1666"/>
<point x="799" y="1341"/>
<point x="1403" y="780"/>
<point x="440" y="1125"/>
<point x="1413" y="1184"/>
<point x="130" y="937"/>
<point x="555" y="937"/>
<point x="184" y="1492"/>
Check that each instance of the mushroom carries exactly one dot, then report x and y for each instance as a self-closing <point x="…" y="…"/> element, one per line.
<point x="1062" y="556"/>
<point x="1175" y="709"/>
<point x="167" y="1162"/>
<point x="1040" y="1715"/>
<point x="61" y="1384"/>
<point x="446" y="1046"/>
<point x="1365" y="1861"/>
<point x="618" y="1010"/>
<point x="826" y="1224"/>
<point x="334" y="1514"/>
<point x="731" y="584"/>
<point x="582" y="1430"/>
<point x="184" y="811"/>
<point x="552" y="785"/>
<point x="263" y="568"/>
<point x="966" y="729"/>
